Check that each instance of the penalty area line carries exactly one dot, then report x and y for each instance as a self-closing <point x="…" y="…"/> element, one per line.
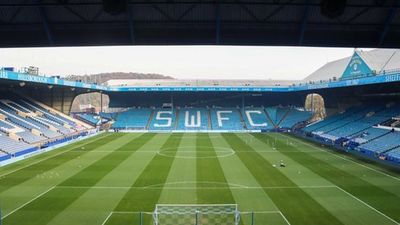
<point x="284" y="217"/>
<point x="28" y="202"/>
<point x="107" y="218"/>
<point x="122" y="212"/>
<point x="194" y="188"/>
<point x="69" y="149"/>
<point x="342" y="157"/>
<point x="368" y="205"/>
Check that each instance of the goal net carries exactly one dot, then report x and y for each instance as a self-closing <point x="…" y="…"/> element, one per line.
<point x="224" y="214"/>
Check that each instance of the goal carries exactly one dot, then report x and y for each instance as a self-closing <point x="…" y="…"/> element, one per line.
<point x="178" y="214"/>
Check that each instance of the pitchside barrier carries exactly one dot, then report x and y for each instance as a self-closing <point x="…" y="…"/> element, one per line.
<point x="186" y="131"/>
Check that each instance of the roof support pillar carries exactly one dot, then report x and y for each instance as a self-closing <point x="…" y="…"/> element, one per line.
<point x="217" y="24"/>
<point x="303" y="25"/>
<point x="45" y="22"/>
<point x="130" y="24"/>
<point x="388" y="22"/>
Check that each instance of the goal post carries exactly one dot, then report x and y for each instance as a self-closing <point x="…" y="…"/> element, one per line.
<point x="196" y="214"/>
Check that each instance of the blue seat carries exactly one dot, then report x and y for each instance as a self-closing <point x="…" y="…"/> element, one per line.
<point x="193" y="119"/>
<point x="256" y="119"/>
<point x="394" y="155"/>
<point x="382" y="143"/>
<point x="89" y="118"/>
<point x="226" y="119"/>
<point x="135" y="119"/>
<point x="12" y="146"/>
<point x="163" y="119"/>
<point x="293" y="117"/>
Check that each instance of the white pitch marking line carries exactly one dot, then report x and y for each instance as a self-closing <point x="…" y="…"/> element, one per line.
<point x="124" y="212"/>
<point x="261" y="212"/>
<point x="33" y="163"/>
<point x="121" y="212"/>
<point x="284" y="217"/>
<point x="21" y="206"/>
<point x="359" y="200"/>
<point x="166" y="184"/>
<point x="130" y="212"/>
<point x="244" y="212"/>
<point x="204" y="188"/>
<point x="369" y="206"/>
<point x="194" y="157"/>
<point x="44" y="159"/>
<point x="344" y="158"/>
<point x="107" y="218"/>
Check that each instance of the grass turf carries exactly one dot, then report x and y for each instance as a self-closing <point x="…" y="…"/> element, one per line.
<point x="109" y="178"/>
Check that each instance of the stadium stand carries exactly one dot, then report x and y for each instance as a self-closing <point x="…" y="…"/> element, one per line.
<point x="364" y="128"/>
<point x="204" y="118"/>
<point x="271" y="113"/>
<point x="394" y="155"/>
<point x="26" y="135"/>
<point x="26" y="126"/>
<point x="29" y="121"/>
<point x="353" y="121"/>
<point x="31" y="107"/>
<point x="368" y="135"/>
<point x="381" y="144"/>
<point x="226" y="119"/>
<point x="108" y="116"/>
<point x="193" y="119"/>
<point x="14" y="147"/>
<point x="349" y="118"/>
<point x="281" y="113"/>
<point x="89" y="118"/>
<point x="256" y="119"/>
<point x="163" y="119"/>
<point x="370" y="119"/>
<point x="293" y="117"/>
<point x="318" y="126"/>
<point x="135" y="119"/>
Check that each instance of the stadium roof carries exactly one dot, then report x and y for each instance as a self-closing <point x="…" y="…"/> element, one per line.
<point x="363" y="23"/>
<point x="329" y="70"/>
<point x="381" y="59"/>
<point x="378" y="60"/>
<point x="194" y="83"/>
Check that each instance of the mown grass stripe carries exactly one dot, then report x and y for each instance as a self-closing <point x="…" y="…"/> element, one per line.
<point x="50" y="204"/>
<point x="22" y="175"/>
<point x="209" y="172"/>
<point x="13" y="167"/>
<point x="297" y="206"/>
<point x="17" y="166"/>
<point x="388" y="203"/>
<point x="93" y="173"/>
<point x="182" y="174"/>
<point x="377" y="167"/>
<point x="155" y="173"/>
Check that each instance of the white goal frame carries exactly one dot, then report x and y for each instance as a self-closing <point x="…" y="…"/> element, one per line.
<point x="196" y="210"/>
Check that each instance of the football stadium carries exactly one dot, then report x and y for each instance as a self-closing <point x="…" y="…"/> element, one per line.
<point x="324" y="150"/>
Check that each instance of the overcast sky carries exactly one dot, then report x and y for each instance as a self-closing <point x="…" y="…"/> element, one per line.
<point x="191" y="62"/>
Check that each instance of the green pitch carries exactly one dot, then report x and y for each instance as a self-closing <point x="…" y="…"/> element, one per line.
<point x="109" y="179"/>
